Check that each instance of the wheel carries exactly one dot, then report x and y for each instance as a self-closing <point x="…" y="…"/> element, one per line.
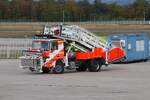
<point x="31" y="69"/>
<point x="82" y="67"/>
<point x="145" y="60"/>
<point x="45" y="70"/>
<point x="59" y="68"/>
<point x="95" y="65"/>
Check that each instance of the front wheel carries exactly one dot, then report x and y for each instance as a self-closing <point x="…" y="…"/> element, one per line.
<point x="95" y="65"/>
<point x="45" y="70"/>
<point x="59" y="68"/>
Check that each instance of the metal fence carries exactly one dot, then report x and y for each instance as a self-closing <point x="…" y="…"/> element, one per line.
<point x="11" y="48"/>
<point x="132" y="22"/>
<point x="125" y="22"/>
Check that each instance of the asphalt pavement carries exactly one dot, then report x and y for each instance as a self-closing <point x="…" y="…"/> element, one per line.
<point x="116" y="82"/>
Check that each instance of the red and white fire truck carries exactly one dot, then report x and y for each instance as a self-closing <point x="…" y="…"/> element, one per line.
<point x="69" y="47"/>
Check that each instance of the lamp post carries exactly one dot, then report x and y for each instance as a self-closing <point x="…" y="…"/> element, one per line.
<point x="63" y="16"/>
<point x="144" y="15"/>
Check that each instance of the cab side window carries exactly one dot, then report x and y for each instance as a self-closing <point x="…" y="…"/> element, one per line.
<point x="54" y="46"/>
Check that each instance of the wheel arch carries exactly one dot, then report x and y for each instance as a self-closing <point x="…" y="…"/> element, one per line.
<point x="102" y="60"/>
<point x="60" y="61"/>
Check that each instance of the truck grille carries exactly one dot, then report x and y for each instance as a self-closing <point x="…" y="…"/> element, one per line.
<point x="30" y="62"/>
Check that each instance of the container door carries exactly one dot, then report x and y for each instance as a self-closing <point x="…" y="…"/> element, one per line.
<point x="131" y="48"/>
<point x="146" y="47"/>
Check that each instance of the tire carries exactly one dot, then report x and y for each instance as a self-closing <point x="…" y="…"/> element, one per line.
<point x="145" y="60"/>
<point x="59" y="68"/>
<point x="81" y="69"/>
<point x="45" y="70"/>
<point x="31" y="69"/>
<point x="95" y="65"/>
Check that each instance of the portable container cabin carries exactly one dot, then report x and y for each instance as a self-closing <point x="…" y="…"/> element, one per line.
<point x="135" y="46"/>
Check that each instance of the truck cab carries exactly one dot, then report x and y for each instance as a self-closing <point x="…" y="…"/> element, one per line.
<point x="43" y="55"/>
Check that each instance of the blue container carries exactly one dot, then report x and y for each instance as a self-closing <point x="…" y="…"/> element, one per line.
<point x="135" y="46"/>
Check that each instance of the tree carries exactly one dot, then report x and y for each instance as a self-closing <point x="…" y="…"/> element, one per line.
<point x="115" y="11"/>
<point x="2" y="8"/>
<point x="141" y="7"/>
<point x="72" y="10"/>
<point x="47" y="10"/>
<point x="85" y="10"/>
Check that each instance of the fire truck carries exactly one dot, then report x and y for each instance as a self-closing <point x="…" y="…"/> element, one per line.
<point x="68" y="47"/>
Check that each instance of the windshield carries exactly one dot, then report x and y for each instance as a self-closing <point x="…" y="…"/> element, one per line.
<point x="40" y="45"/>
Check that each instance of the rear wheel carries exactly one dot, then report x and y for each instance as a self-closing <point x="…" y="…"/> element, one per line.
<point x="59" y="68"/>
<point x="145" y="60"/>
<point x="95" y="65"/>
<point x="82" y="67"/>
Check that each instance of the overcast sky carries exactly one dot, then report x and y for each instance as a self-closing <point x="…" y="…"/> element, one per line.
<point x="119" y="1"/>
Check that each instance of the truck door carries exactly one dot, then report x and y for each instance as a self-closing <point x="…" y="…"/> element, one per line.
<point x="57" y="50"/>
<point x="54" y="50"/>
<point x="54" y="46"/>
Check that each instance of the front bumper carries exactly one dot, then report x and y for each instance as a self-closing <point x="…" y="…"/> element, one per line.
<point x="32" y="63"/>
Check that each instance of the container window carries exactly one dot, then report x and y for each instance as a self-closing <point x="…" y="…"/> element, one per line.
<point x="116" y="43"/>
<point x="140" y="45"/>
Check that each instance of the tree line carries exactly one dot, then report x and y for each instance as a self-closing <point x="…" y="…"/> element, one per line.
<point x="71" y="10"/>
